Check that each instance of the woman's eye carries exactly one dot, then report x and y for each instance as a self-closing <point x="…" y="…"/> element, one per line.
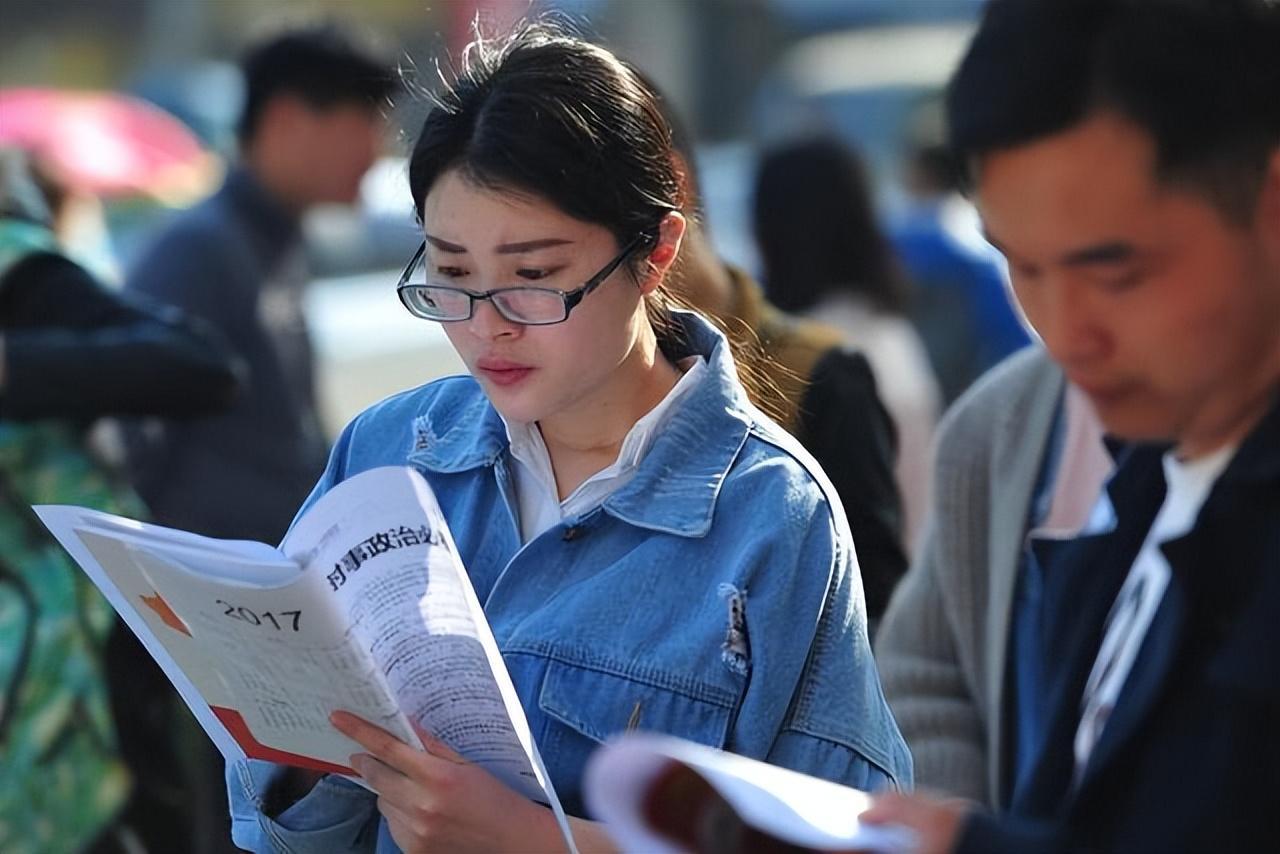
<point x="450" y="272"/>
<point x="532" y="275"/>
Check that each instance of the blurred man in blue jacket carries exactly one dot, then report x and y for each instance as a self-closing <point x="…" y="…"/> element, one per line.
<point x="310" y="128"/>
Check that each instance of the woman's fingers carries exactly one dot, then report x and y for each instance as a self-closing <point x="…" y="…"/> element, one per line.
<point x="438" y="748"/>
<point x="395" y="754"/>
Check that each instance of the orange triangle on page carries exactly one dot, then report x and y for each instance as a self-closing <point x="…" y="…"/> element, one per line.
<point x="161" y="607"/>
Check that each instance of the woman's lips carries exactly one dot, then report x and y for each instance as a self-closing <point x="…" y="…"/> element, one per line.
<point x="501" y="372"/>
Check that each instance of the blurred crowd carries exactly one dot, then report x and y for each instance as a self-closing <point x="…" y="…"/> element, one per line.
<point x="1033" y="526"/>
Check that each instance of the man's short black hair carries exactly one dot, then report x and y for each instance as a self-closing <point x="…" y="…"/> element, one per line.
<point x="320" y="64"/>
<point x="1202" y="77"/>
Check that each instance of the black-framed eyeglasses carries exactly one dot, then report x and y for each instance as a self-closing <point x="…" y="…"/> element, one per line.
<point x="531" y="306"/>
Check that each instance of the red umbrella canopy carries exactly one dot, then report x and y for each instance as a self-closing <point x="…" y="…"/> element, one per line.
<point x="106" y="143"/>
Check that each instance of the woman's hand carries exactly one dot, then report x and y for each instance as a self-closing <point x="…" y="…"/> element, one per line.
<point x="434" y="800"/>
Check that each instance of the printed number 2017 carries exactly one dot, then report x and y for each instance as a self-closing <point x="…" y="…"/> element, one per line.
<point x="236" y="612"/>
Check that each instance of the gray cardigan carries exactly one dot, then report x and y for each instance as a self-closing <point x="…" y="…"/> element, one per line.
<point x="941" y="646"/>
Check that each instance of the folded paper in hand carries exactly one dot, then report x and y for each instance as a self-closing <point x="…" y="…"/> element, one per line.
<point x="364" y="607"/>
<point x="664" y="795"/>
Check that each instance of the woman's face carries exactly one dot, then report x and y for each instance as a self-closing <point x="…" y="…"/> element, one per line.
<point x="483" y="239"/>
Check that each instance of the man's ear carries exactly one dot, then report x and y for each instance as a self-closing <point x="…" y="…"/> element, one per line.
<point x="663" y="254"/>
<point x="1269" y="197"/>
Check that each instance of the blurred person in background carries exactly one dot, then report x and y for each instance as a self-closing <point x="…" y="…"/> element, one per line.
<point x="825" y="258"/>
<point x="78" y="221"/>
<point x="960" y="302"/>
<point x="1125" y="157"/>
<point x="71" y="353"/>
<point x="310" y="128"/>
<point x="821" y="391"/>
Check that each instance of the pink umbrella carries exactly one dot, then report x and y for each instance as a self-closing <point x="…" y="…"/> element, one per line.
<point x="106" y="143"/>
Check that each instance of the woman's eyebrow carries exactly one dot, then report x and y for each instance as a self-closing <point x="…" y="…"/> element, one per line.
<point x="530" y="245"/>
<point x="503" y="249"/>
<point x="444" y="245"/>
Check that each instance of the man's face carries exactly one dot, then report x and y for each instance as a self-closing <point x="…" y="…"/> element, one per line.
<point x="1163" y="312"/>
<point x="340" y="143"/>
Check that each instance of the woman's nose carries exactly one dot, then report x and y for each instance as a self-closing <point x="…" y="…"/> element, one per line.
<point x="487" y="322"/>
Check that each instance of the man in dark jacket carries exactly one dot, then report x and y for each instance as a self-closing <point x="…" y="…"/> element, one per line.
<point x="310" y="128"/>
<point x="1126" y="160"/>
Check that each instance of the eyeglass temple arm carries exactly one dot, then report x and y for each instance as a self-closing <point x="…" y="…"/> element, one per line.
<point x="422" y="249"/>
<point x="639" y="240"/>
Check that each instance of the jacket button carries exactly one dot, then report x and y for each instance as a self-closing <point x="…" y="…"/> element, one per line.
<point x="571" y="533"/>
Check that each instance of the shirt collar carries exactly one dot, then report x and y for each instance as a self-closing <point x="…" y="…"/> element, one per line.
<point x="679" y="479"/>
<point x="528" y="447"/>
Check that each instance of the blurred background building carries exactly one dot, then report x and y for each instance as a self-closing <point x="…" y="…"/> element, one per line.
<point x="745" y="74"/>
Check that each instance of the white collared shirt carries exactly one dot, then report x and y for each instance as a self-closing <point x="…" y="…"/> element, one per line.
<point x="538" y="498"/>
<point x="1189" y="484"/>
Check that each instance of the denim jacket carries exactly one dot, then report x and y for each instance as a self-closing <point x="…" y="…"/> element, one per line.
<point x="714" y="597"/>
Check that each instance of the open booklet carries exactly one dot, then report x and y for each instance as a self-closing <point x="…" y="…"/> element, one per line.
<point x="364" y="607"/>
<point x="664" y="795"/>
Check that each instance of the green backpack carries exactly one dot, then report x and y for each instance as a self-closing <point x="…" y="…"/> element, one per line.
<point x="61" y="778"/>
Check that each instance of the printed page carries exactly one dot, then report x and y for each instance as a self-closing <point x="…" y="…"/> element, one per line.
<point x="112" y="570"/>
<point x="381" y="543"/>
<point x="282" y="658"/>
<point x="368" y="610"/>
<point x="798" y="809"/>
<point x="260" y="666"/>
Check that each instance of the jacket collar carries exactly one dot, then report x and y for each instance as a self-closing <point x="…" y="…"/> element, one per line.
<point x="676" y="486"/>
<point x="1137" y="491"/>
<point x="1258" y="459"/>
<point x="272" y="224"/>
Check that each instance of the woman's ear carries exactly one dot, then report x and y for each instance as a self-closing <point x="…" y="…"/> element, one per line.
<point x="664" y="252"/>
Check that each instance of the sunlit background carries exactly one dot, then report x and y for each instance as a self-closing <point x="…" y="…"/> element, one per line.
<point x="744" y="74"/>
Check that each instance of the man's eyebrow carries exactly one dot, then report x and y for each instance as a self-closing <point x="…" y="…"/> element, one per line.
<point x="1110" y="252"/>
<point x="1114" y="252"/>
<point x="505" y="248"/>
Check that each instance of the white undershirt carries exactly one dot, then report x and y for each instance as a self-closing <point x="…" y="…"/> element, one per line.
<point x="1135" y="606"/>
<point x="538" y="498"/>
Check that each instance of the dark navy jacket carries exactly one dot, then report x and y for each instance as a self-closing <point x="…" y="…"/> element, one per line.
<point x="236" y="262"/>
<point x="1190" y="759"/>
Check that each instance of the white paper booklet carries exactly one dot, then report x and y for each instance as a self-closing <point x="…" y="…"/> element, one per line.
<point x="365" y="607"/>
<point x="663" y="795"/>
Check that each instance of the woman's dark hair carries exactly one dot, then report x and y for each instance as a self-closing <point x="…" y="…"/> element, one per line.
<point x="816" y="228"/>
<point x="550" y="114"/>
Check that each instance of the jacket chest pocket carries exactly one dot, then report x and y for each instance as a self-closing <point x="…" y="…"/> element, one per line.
<point x="585" y="707"/>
